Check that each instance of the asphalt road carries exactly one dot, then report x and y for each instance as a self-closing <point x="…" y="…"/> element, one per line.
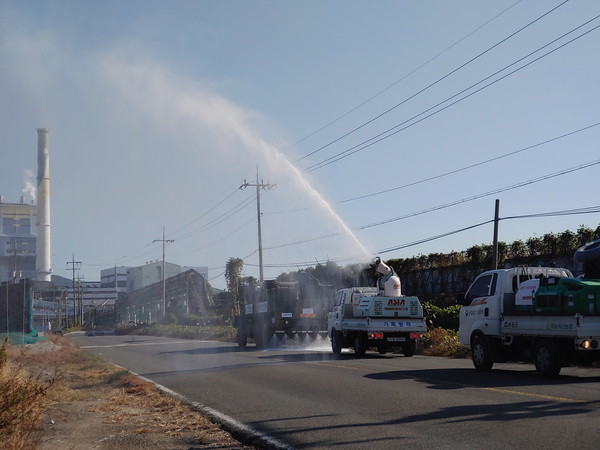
<point x="307" y="399"/>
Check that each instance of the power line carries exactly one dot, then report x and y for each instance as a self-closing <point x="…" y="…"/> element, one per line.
<point x="216" y="241"/>
<point x="412" y="121"/>
<point x="429" y="239"/>
<point x="577" y="211"/>
<point x="588" y="210"/>
<point x="486" y="194"/>
<point x="450" y="204"/>
<point x="223" y="217"/>
<point x="568" y="212"/>
<point x="206" y="213"/>
<point x="327" y="125"/>
<point x="481" y="163"/>
<point x="434" y="83"/>
<point x="452" y="172"/>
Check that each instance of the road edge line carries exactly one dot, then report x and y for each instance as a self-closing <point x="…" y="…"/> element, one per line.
<point x="240" y="431"/>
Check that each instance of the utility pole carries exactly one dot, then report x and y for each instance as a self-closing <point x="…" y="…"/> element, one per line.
<point x="73" y="268"/>
<point x="496" y="220"/>
<point x="164" y="285"/>
<point x="259" y="185"/>
<point x="80" y="279"/>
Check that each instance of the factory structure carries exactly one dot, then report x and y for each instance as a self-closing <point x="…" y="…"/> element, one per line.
<point x="25" y="228"/>
<point x="17" y="240"/>
<point x="32" y="298"/>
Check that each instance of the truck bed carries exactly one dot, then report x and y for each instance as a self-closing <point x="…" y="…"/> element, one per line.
<point x="560" y="326"/>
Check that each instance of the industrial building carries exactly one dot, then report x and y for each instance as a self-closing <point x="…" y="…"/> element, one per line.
<point x="25" y="229"/>
<point x="17" y="241"/>
<point x="150" y="273"/>
<point x="51" y="301"/>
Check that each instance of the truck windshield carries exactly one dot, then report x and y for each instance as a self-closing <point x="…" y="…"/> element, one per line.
<point x="482" y="287"/>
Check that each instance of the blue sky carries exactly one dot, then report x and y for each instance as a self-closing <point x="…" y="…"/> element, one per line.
<point x="158" y="111"/>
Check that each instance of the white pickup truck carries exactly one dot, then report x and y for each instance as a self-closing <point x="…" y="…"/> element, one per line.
<point x="379" y="317"/>
<point x="531" y="314"/>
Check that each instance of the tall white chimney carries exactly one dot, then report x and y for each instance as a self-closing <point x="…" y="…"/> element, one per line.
<point x="42" y="224"/>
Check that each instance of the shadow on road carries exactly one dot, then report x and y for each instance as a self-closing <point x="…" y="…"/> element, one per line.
<point x="503" y="412"/>
<point x="465" y="378"/>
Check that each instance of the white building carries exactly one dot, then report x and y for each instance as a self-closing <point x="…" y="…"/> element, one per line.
<point x="149" y="273"/>
<point x="115" y="277"/>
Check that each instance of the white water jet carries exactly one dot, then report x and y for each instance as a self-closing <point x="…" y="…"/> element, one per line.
<point x="284" y="164"/>
<point x="180" y="107"/>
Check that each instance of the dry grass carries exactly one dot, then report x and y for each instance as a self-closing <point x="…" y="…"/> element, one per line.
<point x="52" y="395"/>
<point x="23" y="396"/>
<point x="442" y="342"/>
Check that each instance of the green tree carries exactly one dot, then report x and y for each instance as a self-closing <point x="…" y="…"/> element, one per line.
<point x="567" y="242"/>
<point x="584" y="235"/>
<point x="550" y="243"/>
<point x="518" y="250"/>
<point x="233" y="272"/>
<point x="535" y="246"/>
<point x="477" y="255"/>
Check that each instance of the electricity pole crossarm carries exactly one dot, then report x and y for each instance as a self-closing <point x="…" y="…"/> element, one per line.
<point x="259" y="185"/>
<point x="164" y="243"/>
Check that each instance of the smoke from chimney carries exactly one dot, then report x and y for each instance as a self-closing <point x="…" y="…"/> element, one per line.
<point x="29" y="186"/>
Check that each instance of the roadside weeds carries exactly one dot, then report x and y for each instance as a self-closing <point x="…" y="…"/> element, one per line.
<point x="63" y="396"/>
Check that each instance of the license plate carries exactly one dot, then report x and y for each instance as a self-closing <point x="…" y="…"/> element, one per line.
<point x="396" y="339"/>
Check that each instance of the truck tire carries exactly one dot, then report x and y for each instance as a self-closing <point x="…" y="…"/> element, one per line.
<point x="336" y="343"/>
<point x="482" y="357"/>
<point x="360" y="344"/>
<point x="547" y="358"/>
<point x="242" y="339"/>
<point x="262" y="334"/>
<point x="409" y="347"/>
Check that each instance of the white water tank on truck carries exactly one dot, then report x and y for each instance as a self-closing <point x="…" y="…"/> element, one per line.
<point x="389" y="283"/>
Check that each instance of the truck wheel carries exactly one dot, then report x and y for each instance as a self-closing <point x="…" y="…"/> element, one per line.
<point x="360" y="344"/>
<point x="409" y="347"/>
<point x="242" y="339"/>
<point x="547" y="358"/>
<point x="336" y="343"/>
<point x="482" y="357"/>
<point x="262" y="334"/>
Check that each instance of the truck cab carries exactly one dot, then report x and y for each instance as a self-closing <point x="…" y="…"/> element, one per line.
<point x="345" y="304"/>
<point x="493" y="295"/>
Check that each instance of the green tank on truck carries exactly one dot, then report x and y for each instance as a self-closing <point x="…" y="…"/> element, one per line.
<point x="534" y="314"/>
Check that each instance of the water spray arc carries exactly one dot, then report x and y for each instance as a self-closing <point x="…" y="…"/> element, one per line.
<point x="259" y="185"/>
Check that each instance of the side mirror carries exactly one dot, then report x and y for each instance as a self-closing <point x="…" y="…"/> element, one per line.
<point x="464" y="299"/>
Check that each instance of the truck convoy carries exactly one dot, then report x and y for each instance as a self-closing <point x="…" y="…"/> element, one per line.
<point x="534" y="314"/>
<point x="379" y="317"/>
<point x="283" y="308"/>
